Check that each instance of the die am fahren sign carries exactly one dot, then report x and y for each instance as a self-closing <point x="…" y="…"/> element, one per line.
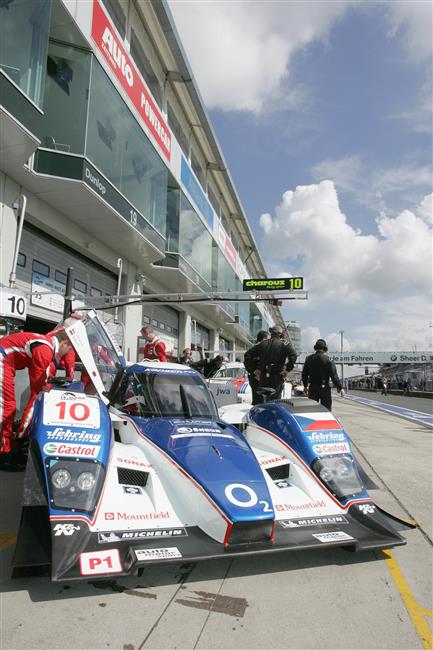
<point x="272" y="284"/>
<point x="109" y="44"/>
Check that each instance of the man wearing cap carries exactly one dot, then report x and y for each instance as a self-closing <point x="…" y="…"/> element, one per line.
<point x="318" y="370"/>
<point x="272" y="362"/>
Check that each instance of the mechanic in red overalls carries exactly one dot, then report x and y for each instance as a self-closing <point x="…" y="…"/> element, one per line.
<point x="18" y="351"/>
<point x="155" y="348"/>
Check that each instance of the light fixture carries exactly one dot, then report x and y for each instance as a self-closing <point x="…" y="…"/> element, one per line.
<point x="60" y="72"/>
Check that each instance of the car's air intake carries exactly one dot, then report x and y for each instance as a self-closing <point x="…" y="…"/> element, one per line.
<point x="128" y="476"/>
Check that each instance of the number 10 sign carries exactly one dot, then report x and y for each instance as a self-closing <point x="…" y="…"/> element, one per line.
<point x="13" y="304"/>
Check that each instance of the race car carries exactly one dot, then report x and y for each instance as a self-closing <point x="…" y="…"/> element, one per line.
<point x="145" y="470"/>
<point x="234" y="374"/>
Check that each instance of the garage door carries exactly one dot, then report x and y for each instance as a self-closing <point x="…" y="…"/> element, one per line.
<point x="42" y="266"/>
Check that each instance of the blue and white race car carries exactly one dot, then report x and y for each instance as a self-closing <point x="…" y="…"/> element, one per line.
<point x="144" y="470"/>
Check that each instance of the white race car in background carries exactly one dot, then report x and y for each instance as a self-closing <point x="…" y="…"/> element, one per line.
<point x="230" y="385"/>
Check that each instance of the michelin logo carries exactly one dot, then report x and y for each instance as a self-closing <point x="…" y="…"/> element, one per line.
<point x="120" y="536"/>
<point x="313" y="521"/>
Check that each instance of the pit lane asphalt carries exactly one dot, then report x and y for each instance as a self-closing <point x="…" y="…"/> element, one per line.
<point x="323" y="599"/>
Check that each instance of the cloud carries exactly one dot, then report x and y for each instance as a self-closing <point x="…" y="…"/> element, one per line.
<point x="240" y="52"/>
<point x="412" y="22"/>
<point x="310" y="236"/>
<point x="372" y="186"/>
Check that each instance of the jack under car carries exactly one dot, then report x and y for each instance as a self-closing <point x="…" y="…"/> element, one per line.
<point x="144" y="470"/>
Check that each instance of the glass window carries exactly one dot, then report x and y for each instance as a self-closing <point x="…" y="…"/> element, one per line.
<point x="197" y="168"/>
<point x="170" y="395"/>
<point x="169" y="328"/>
<point x="95" y="292"/>
<point x="195" y="241"/>
<point x="40" y="267"/>
<point x="65" y="103"/>
<point x="162" y="326"/>
<point x="145" y="67"/>
<point x="22" y="259"/>
<point x="146" y="319"/>
<point x="213" y="199"/>
<point x="80" y="286"/>
<point x="120" y="149"/>
<point x="23" y="44"/>
<point x="117" y="11"/>
<point x="59" y="276"/>
<point x="172" y="232"/>
<point x="154" y="322"/>
<point x="175" y="126"/>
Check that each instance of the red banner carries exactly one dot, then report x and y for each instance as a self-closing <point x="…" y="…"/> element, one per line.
<point x="109" y="43"/>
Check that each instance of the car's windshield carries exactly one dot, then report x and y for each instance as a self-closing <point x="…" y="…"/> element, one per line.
<point x="167" y="395"/>
<point x="103" y="351"/>
<point x="233" y="373"/>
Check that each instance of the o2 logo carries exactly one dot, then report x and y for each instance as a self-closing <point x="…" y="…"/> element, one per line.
<point x="251" y="499"/>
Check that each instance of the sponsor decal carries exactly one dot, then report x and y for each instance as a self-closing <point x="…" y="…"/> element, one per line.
<point x="271" y="461"/>
<point x="367" y="508"/>
<point x="336" y="448"/>
<point x="61" y="449"/>
<point x="132" y="489"/>
<point x="109" y="44"/>
<point x="157" y="553"/>
<point x="337" y="536"/>
<point x="120" y="536"/>
<point x="198" y="430"/>
<point x="135" y="462"/>
<point x="73" y="436"/>
<point x="290" y="507"/>
<point x="313" y="521"/>
<point x="223" y="391"/>
<point x="282" y="483"/>
<point x="71" y="410"/>
<point x="96" y="181"/>
<point x="139" y="516"/>
<point x="65" y="529"/>
<point x="270" y="284"/>
<point x="97" y="562"/>
<point x="320" y="436"/>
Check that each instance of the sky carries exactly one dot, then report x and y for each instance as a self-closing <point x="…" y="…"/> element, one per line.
<point x="323" y="111"/>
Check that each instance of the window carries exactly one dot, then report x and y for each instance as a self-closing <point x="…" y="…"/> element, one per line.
<point x="162" y="326"/>
<point x="23" y="44"/>
<point x="175" y="126"/>
<point x="213" y="199"/>
<point x="195" y="241"/>
<point x="66" y="98"/>
<point x="41" y="268"/>
<point x="197" y="168"/>
<point x="117" y="11"/>
<point x="80" y="286"/>
<point x="60" y="277"/>
<point x="146" y="319"/>
<point x="143" y="64"/>
<point x="154" y="322"/>
<point x="120" y="149"/>
<point x="22" y="259"/>
<point x="169" y="328"/>
<point x="95" y="292"/>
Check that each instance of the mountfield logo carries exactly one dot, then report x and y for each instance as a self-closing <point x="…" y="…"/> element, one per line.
<point x="82" y="451"/>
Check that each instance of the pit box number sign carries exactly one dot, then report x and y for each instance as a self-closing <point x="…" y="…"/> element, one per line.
<point x="273" y="284"/>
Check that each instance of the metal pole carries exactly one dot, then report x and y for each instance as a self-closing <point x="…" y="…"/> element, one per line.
<point x="119" y="280"/>
<point x="67" y="307"/>
<point x="341" y="350"/>
<point x="16" y="204"/>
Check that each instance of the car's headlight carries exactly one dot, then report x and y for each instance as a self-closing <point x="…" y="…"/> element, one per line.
<point x="339" y="474"/>
<point x="74" y="484"/>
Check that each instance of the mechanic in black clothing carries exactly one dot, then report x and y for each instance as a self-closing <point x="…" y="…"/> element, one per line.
<point x="250" y="359"/>
<point x="208" y="367"/>
<point x="271" y="363"/>
<point x="318" y="370"/>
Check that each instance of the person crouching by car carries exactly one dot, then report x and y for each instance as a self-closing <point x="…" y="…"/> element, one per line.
<point x="318" y="370"/>
<point x="18" y="351"/>
<point x="154" y="348"/>
<point x="208" y="367"/>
